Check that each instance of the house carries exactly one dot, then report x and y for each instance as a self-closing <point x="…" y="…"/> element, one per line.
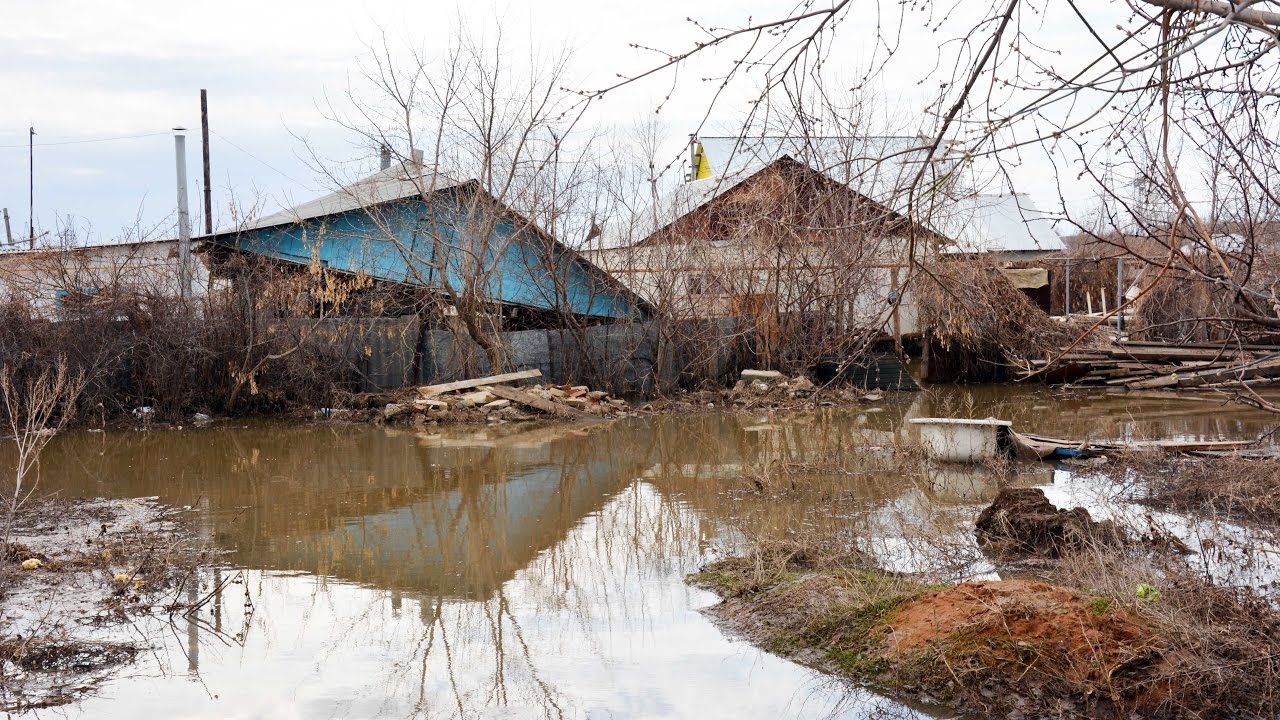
<point x="780" y="226"/>
<point x="61" y="281"/>
<point x="816" y="255"/>
<point x="410" y="227"/>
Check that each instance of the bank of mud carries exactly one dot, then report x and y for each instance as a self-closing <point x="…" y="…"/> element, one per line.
<point x="73" y="574"/>
<point x="1079" y="618"/>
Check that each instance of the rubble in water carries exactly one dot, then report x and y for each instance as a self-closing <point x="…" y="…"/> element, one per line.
<point x="482" y="404"/>
<point x="1022" y="522"/>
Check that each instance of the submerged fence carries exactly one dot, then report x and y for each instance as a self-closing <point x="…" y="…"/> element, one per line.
<point x="643" y="358"/>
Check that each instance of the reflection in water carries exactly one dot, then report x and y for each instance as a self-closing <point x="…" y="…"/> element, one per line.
<point x="537" y="572"/>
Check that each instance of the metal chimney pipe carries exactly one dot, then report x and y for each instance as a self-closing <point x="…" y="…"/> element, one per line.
<point x="184" y="215"/>
<point x="386" y="157"/>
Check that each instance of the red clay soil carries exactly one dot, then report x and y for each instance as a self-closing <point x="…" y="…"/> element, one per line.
<point x="1027" y="638"/>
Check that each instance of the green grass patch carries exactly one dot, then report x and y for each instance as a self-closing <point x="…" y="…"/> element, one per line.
<point x="833" y="616"/>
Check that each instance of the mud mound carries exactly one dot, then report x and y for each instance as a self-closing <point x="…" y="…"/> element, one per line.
<point x="66" y="656"/>
<point x="1005" y="645"/>
<point x="1021" y="522"/>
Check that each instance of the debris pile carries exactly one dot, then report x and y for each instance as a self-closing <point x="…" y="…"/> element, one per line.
<point x="765" y="382"/>
<point x="493" y="399"/>
<point x="773" y="389"/>
<point x="1022" y="522"/>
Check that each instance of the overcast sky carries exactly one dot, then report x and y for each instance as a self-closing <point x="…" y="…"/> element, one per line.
<point x="82" y="72"/>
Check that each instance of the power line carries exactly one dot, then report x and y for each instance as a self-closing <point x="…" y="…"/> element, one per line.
<point x="94" y="140"/>
<point x="255" y="157"/>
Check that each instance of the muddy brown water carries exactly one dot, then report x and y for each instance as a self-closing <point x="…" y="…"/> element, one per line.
<point x="529" y="571"/>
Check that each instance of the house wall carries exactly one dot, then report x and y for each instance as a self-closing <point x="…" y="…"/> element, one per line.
<point x="704" y="280"/>
<point x="51" y="279"/>
<point x="786" y="245"/>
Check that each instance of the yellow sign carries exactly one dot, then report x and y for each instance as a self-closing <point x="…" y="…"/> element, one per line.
<point x="701" y="168"/>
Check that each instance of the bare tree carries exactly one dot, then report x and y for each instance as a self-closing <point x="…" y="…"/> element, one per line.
<point x="36" y="408"/>
<point x="489" y="149"/>
<point x="1175" y="98"/>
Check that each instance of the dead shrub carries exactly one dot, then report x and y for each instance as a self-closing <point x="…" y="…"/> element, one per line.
<point x="237" y="350"/>
<point x="1179" y="308"/>
<point x="1236" y="487"/>
<point x="969" y="308"/>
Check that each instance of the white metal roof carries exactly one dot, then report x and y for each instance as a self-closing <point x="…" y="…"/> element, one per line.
<point x="997" y="223"/>
<point x="401" y="180"/>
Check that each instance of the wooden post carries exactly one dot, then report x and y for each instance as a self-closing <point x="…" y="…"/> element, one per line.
<point x="204" y="134"/>
<point x="1067" y="293"/>
<point x="1119" y="298"/>
<point x="897" y="321"/>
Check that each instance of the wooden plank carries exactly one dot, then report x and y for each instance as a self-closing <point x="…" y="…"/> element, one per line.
<point x="1196" y="396"/>
<point x="1178" y="446"/>
<point x="1199" y="346"/>
<point x="1153" y="383"/>
<point x="1262" y="368"/>
<point x="542" y="404"/>
<point x="432" y="390"/>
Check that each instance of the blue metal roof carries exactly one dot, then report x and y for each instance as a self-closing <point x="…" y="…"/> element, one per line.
<point x="441" y="239"/>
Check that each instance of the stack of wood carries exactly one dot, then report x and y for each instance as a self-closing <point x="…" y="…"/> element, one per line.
<point x="1149" y="365"/>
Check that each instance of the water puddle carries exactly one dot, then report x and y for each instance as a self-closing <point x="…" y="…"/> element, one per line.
<point x="523" y="572"/>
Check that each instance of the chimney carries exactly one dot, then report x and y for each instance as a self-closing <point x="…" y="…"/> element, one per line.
<point x="386" y="157"/>
<point x="417" y="156"/>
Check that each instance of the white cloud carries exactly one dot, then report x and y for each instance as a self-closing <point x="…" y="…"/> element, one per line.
<point x="91" y="70"/>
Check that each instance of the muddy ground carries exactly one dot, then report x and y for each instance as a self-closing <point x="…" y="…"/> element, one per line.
<point x="74" y="575"/>
<point x="1079" y="619"/>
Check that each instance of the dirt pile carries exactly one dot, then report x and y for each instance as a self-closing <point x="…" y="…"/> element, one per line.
<point x="1021" y="522"/>
<point x="1009" y="645"/>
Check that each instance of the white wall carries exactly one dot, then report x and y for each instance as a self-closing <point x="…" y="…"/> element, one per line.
<point x="46" y="278"/>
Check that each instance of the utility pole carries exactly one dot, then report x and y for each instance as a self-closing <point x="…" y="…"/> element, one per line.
<point x="184" y="215"/>
<point x="204" y="135"/>
<point x="8" y="234"/>
<point x="31" y="188"/>
<point x="1067" y="294"/>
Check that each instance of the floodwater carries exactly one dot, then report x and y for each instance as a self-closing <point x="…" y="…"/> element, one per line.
<point x="535" y="571"/>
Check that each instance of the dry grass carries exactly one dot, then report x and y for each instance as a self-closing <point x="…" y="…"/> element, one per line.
<point x="1219" y="647"/>
<point x="968" y="306"/>
<point x="1234" y="487"/>
<point x="1082" y="644"/>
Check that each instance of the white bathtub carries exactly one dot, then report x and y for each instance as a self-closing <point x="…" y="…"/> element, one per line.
<point x="953" y="440"/>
